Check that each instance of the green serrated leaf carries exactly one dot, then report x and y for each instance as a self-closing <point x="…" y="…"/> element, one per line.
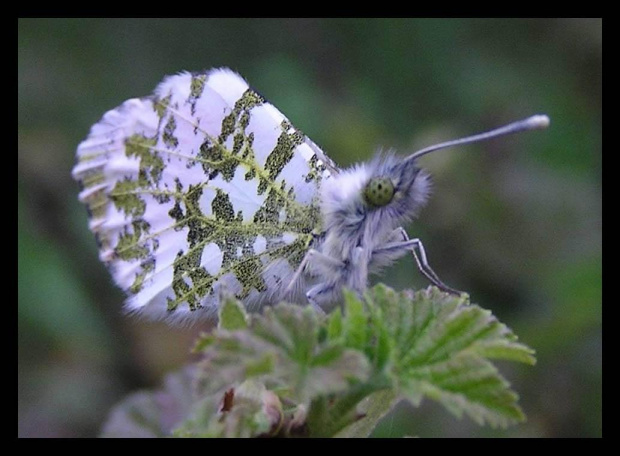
<point x="341" y="374"/>
<point x="370" y="411"/>
<point x="470" y="386"/>
<point x="282" y="348"/>
<point x="261" y="366"/>
<point x="505" y="349"/>
<point x="334" y="326"/>
<point x="202" y="342"/>
<point x="328" y="415"/>
<point x="232" y="315"/>
<point x="381" y="348"/>
<point x="355" y="324"/>
<point x="440" y="348"/>
<point x="289" y="328"/>
<point x="228" y="361"/>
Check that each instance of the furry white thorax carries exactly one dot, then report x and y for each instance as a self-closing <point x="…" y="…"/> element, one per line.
<point x="354" y="231"/>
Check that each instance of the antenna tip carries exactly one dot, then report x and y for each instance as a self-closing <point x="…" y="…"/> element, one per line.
<point x="539" y="121"/>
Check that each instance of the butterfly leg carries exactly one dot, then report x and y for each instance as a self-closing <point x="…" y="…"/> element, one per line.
<point x="319" y="262"/>
<point x="315" y="292"/>
<point x="398" y="241"/>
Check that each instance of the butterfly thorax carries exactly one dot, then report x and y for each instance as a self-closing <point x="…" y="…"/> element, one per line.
<point x="355" y="229"/>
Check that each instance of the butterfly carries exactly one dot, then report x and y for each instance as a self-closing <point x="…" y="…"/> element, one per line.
<point x="205" y="188"/>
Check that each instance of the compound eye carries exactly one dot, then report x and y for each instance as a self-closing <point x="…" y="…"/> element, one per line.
<point x="379" y="191"/>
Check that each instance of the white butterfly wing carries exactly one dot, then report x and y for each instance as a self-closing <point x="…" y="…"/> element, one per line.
<point x="202" y="186"/>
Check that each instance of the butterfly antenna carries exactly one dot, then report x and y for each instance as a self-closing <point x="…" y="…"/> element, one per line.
<point x="536" y="122"/>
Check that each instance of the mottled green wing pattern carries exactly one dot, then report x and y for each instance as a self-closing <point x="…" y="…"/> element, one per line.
<point x="202" y="188"/>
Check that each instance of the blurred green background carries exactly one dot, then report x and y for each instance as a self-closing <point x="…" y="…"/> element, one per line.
<point x="516" y="222"/>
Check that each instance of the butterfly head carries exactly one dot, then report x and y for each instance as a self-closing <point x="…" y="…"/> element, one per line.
<point x="371" y="199"/>
<point x="395" y="188"/>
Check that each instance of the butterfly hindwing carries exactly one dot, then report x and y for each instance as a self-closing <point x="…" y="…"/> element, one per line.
<point x="202" y="186"/>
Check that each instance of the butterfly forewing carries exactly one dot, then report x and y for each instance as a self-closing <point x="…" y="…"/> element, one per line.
<point x="202" y="187"/>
